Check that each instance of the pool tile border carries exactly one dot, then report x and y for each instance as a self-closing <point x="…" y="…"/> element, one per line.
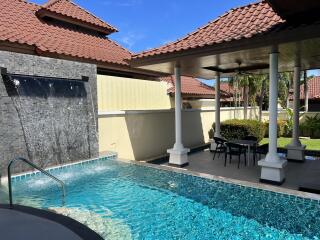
<point x="27" y="175"/>
<point x="294" y="194"/>
<point x="255" y="186"/>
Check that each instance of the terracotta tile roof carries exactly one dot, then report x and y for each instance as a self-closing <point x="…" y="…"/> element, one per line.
<point x="225" y="86"/>
<point x="192" y="86"/>
<point x="313" y="89"/>
<point x="69" y="9"/>
<point x="239" y="23"/>
<point x="229" y="92"/>
<point x="19" y="24"/>
<point x="189" y="86"/>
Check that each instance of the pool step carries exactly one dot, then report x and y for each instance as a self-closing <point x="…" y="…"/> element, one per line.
<point x="104" y="224"/>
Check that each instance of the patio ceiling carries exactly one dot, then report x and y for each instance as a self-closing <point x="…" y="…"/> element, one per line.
<point x="226" y="47"/>
<point x="296" y="10"/>
<point x="198" y="64"/>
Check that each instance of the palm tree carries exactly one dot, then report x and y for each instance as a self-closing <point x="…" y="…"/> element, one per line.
<point x="242" y="82"/>
<point x="251" y="85"/>
<point x="285" y="83"/>
<point x="306" y="90"/>
<point x="258" y="88"/>
<point x="234" y="84"/>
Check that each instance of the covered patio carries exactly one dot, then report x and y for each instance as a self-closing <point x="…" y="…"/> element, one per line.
<point x="265" y="37"/>
<point x="297" y="174"/>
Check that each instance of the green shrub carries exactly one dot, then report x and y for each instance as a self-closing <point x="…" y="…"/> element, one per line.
<point x="211" y="132"/>
<point x="311" y="127"/>
<point x="289" y="122"/>
<point x="281" y="128"/>
<point x="238" y="129"/>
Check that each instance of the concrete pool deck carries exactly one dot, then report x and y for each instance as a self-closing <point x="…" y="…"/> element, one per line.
<point x="296" y="173"/>
<point x="29" y="223"/>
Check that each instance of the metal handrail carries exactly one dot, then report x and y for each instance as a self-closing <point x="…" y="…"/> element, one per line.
<point x="39" y="169"/>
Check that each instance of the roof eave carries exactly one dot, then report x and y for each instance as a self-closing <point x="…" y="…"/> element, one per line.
<point x="17" y="47"/>
<point x="197" y="95"/>
<point x="33" y="50"/>
<point x="261" y="40"/>
<point x="42" y="13"/>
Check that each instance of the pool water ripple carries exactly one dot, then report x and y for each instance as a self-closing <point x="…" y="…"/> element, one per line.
<point x="156" y="204"/>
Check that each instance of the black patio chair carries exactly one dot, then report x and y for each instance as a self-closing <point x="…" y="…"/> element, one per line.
<point x="234" y="149"/>
<point x="220" y="146"/>
<point x="262" y="150"/>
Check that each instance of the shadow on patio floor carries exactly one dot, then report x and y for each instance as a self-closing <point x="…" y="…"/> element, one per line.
<point x="296" y="173"/>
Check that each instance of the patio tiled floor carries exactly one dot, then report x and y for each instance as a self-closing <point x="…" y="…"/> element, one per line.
<point x="296" y="173"/>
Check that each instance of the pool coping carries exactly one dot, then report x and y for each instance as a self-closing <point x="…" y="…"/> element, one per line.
<point x="261" y="186"/>
<point x="27" y="174"/>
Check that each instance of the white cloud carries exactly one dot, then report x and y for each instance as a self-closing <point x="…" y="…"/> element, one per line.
<point x="131" y="38"/>
<point x="122" y="3"/>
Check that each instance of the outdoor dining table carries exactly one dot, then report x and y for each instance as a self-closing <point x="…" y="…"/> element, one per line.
<point x="248" y="144"/>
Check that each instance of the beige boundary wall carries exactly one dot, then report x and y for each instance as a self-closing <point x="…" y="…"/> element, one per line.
<point x="143" y="135"/>
<point x="282" y="115"/>
<point x="118" y="93"/>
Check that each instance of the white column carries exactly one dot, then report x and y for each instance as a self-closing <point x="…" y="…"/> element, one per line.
<point x="217" y="132"/>
<point x="179" y="154"/>
<point x="178" y="124"/>
<point x="272" y="168"/>
<point x="295" y="148"/>
<point x="273" y="109"/>
<point x="306" y="92"/>
<point x="296" y="107"/>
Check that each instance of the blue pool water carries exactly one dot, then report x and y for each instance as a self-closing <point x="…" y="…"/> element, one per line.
<point x="137" y="202"/>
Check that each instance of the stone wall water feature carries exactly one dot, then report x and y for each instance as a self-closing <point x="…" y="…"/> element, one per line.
<point x="48" y="110"/>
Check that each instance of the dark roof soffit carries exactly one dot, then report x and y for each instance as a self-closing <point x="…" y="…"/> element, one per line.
<point x="43" y="13"/>
<point x="296" y="10"/>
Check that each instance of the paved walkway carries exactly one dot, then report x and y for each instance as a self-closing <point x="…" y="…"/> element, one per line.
<point x="296" y="173"/>
<point x="15" y="225"/>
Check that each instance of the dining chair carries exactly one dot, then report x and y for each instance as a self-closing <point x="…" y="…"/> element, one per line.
<point x="220" y="146"/>
<point x="234" y="149"/>
<point x="262" y="150"/>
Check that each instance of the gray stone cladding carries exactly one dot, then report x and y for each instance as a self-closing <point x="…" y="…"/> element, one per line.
<point x="54" y="127"/>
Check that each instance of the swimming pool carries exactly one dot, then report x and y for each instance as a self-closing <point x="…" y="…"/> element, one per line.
<point x="127" y="201"/>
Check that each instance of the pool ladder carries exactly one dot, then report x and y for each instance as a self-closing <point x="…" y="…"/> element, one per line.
<point x="39" y="169"/>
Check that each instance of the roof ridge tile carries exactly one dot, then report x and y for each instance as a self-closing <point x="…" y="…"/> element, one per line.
<point x="49" y="3"/>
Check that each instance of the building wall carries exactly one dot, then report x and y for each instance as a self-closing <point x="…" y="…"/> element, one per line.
<point x="118" y="93"/>
<point x="143" y="135"/>
<point x="30" y="127"/>
<point x="205" y="104"/>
